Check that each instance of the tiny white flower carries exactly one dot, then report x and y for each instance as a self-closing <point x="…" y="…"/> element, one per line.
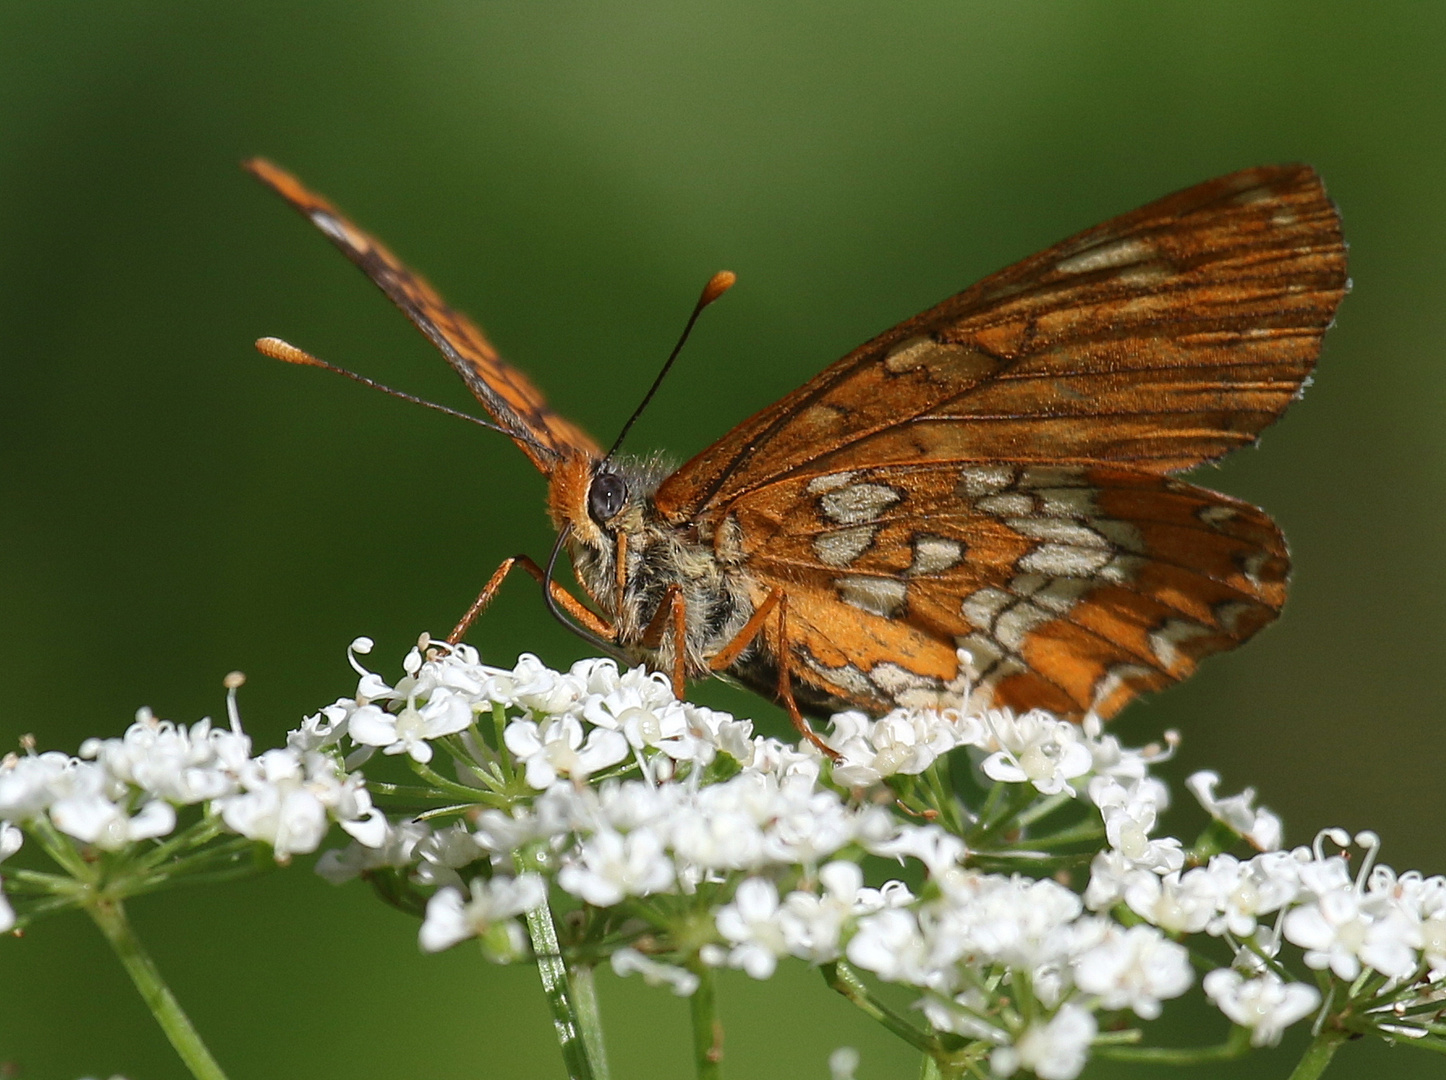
<point x="938" y="850"/>
<point x="10" y="840"/>
<point x="609" y="866"/>
<point x="1036" y="748"/>
<point x="843" y="1063"/>
<point x="397" y="849"/>
<point x="1341" y="930"/>
<point x="1257" y="825"/>
<point x="813" y="925"/>
<point x="681" y="981"/>
<point x="890" y="945"/>
<point x="1264" y="1004"/>
<point x="751" y="923"/>
<point x="1129" y="815"/>
<point x="94" y="819"/>
<point x="1056" y="1050"/>
<point x="407" y="732"/>
<point x="492" y="904"/>
<point x="440" y="855"/>
<point x="1136" y="968"/>
<point x="646" y="724"/>
<point x="1176" y="905"/>
<point x="556" y="748"/>
<point x="1245" y="891"/>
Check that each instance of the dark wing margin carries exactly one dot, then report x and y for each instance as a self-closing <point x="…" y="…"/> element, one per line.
<point x="507" y="394"/>
<point x="1157" y="341"/>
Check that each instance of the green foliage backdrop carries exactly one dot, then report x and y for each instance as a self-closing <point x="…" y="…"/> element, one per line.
<point x="172" y="506"/>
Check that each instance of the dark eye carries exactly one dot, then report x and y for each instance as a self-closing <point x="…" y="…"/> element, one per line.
<point x="606" y="495"/>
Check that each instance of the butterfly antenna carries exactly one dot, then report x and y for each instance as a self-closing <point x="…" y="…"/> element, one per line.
<point x="717" y="285"/>
<point x="290" y="354"/>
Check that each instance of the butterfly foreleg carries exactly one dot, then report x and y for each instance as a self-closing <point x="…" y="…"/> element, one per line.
<point x="774" y="605"/>
<point x="569" y="603"/>
<point x="673" y="608"/>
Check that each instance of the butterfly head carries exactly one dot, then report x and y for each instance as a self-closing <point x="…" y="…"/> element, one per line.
<point x="600" y="500"/>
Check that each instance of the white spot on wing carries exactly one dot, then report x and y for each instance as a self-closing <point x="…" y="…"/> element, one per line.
<point x="935" y="554"/>
<point x="1067" y="502"/>
<point x="876" y="595"/>
<point x="980" y="607"/>
<point x="1252" y="565"/>
<point x="858" y="503"/>
<point x="1229" y="612"/>
<point x="829" y="482"/>
<point x="1065" y="560"/>
<point x="1215" y="515"/>
<point x="1012" y="626"/>
<point x="1117" y="253"/>
<point x="1058" y="531"/>
<point x="1116" y="677"/>
<point x="842" y="546"/>
<point x="1165" y="641"/>
<point x="979" y="480"/>
<point x="1008" y="504"/>
<point x="1061" y="594"/>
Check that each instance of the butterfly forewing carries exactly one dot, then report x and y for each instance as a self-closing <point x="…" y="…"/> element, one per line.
<point x="506" y="393"/>
<point x="1162" y="339"/>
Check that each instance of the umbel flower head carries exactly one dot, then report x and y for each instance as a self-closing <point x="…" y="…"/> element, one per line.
<point x="671" y="839"/>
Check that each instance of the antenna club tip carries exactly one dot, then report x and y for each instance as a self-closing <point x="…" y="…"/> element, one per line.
<point x="717" y="285"/>
<point x="286" y="352"/>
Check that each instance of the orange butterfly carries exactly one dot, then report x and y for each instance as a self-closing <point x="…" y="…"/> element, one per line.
<point x="976" y="502"/>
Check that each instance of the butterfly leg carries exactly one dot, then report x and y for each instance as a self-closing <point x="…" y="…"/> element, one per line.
<point x="674" y="609"/>
<point x="777" y="600"/>
<point x="574" y="607"/>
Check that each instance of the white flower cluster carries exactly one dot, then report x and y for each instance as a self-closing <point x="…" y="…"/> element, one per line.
<point x="694" y="843"/>
<point x="123" y="791"/>
<point x="627" y="803"/>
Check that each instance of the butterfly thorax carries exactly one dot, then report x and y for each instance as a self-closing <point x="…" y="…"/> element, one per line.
<point x="607" y="506"/>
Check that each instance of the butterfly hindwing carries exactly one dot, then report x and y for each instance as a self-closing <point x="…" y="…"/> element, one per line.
<point x="1159" y="340"/>
<point x="1071" y="587"/>
<point x="506" y="393"/>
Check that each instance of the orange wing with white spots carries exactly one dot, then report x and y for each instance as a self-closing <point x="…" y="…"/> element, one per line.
<point x="991" y="475"/>
<point x="507" y="394"/>
<point x="1159" y="340"/>
<point x="1070" y="587"/>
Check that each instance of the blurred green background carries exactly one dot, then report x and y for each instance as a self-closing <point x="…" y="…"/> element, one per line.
<point x="172" y="506"/>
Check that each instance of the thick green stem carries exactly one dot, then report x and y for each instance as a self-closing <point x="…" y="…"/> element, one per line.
<point x="557" y="988"/>
<point x="589" y="1018"/>
<point x="110" y="916"/>
<point x="1318" y="1055"/>
<point x="707" y="1028"/>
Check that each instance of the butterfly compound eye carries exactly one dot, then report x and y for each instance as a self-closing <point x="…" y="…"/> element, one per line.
<point x="605" y="496"/>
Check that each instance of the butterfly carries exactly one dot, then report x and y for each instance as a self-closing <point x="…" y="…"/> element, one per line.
<point x="978" y="507"/>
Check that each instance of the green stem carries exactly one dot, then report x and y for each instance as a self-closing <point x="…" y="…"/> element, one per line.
<point x="1318" y="1055"/>
<point x="589" y="1018"/>
<point x="842" y="978"/>
<point x="557" y="988"/>
<point x="110" y="916"/>
<point x="1234" y="1046"/>
<point x="504" y="757"/>
<point x="707" y="1028"/>
<point x="450" y="788"/>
